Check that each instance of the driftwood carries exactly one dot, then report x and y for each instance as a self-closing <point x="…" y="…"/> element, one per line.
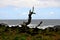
<point x="36" y="30"/>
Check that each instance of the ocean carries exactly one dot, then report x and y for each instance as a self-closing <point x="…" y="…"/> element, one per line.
<point x="34" y="22"/>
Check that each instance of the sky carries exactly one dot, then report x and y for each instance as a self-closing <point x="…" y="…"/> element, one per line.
<point x="19" y="9"/>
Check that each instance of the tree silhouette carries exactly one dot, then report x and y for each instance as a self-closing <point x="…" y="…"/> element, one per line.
<point x="29" y="18"/>
<point x="24" y="26"/>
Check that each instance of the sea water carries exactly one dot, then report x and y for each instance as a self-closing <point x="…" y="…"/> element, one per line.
<point x="34" y="22"/>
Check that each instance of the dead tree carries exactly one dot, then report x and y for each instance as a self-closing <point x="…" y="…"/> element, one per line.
<point x="24" y="25"/>
<point x="29" y="18"/>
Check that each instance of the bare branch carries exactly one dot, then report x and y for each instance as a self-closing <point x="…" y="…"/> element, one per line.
<point x="39" y="24"/>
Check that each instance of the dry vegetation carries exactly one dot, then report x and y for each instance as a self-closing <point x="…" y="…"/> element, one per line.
<point x="15" y="33"/>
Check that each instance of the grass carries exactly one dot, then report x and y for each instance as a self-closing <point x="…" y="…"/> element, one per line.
<point x="14" y="34"/>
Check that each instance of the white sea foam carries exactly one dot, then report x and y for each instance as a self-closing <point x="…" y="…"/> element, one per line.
<point x="43" y="27"/>
<point x="34" y="25"/>
<point x="11" y="25"/>
<point x="14" y="25"/>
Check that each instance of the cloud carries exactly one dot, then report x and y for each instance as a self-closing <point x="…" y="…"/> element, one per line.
<point x="15" y="8"/>
<point x="51" y="13"/>
<point x="30" y="3"/>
